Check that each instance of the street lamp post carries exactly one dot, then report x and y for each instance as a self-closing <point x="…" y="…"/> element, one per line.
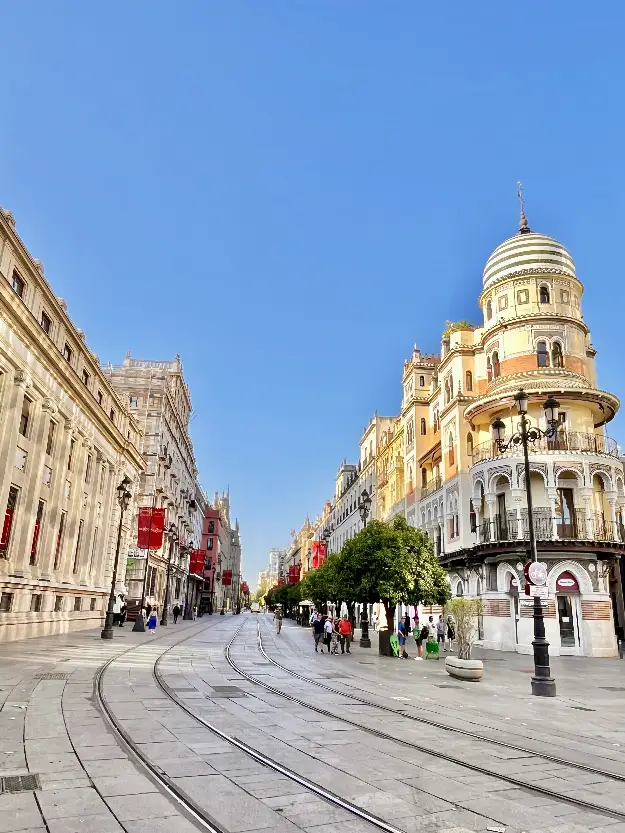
<point x="171" y="532"/>
<point x="543" y="684"/>
<point x="239" y="592"/>
<point x="123" y="498"/>
<point x="364" y="507"/>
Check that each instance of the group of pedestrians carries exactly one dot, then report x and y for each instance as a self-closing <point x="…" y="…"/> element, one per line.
<point x="442" y="632"/>
<point x="331" y="632"/>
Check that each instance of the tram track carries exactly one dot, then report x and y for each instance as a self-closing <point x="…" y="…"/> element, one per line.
<point x="610" y="812"/>
<point x="180" y="796"/>
<point x="554" y="759"/>
<point x="204" y="820"/>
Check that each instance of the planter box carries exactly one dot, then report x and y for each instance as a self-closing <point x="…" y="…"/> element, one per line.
<point x="464" y="669"/>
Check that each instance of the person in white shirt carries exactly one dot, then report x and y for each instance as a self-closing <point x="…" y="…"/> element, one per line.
<point x="328" y="627"/>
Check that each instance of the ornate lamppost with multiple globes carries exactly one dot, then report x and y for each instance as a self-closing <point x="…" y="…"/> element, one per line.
<point x="364" y="507"/>
<point x="172" y="533"/>
<point x="543" y="684"/>
<point x="123" y="498"/>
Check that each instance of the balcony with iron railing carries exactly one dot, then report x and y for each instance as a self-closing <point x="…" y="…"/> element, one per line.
<point x="575" y="442"/>
<point x="432" y="486"/>
<point x="577" y="527"/>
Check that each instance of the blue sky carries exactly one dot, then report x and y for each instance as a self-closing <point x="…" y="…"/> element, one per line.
<point x="290" y="194"/>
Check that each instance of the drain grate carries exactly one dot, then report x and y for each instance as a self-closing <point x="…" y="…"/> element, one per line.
<point x="446" y="685"/>
<point x="19" y="783"/>
<point x="59" y="676"/>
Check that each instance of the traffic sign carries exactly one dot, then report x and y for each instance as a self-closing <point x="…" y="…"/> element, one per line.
<point x="537" y="573"/>
<point x="541" y="592"/>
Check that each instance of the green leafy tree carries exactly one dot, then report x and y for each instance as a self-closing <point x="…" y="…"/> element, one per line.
<point x="393" y="563"/>
<point x="320" y="585"/>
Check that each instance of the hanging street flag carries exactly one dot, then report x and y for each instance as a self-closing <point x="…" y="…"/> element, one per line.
<point x="151" y="525"/>
<point x="226" y="578"/>
<point x="196" y="562"/>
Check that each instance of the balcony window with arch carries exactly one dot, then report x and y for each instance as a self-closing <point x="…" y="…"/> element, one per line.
<point x="468" y="380"/>
<point x="470" y="445"/>
<point x="423" y="427"/>
<point x="543" y="295"/>
<point x="557" y="359"/>
<point x="496" y="365"/>
<point x="424" y="478"/>
<point x="542" y="354"/>
<point x="451" y="455"/>
<point x="422" y="381"/>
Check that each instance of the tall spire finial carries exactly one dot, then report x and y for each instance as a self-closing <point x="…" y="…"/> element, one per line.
<point x="523" y="226"/>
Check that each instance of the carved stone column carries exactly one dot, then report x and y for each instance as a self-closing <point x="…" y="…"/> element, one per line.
<point x="552" y="495"/>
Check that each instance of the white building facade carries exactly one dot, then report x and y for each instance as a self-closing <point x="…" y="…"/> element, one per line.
<point x="67" y="440"/>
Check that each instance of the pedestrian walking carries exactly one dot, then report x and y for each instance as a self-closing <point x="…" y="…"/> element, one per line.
<point x="122" y="615"/>
<point x="440" y="631"/>
<point x="148" y="610"/>
<point x="401" y="638"/>
<point x="176" y="612"/>
<point x="152" y="621"/>
<point x="318" y="632"/>
<point x="194" y="614"/>
<point x="375" y="620"/>
<point x="345" y="634"/>
<point x="328" y="628"/>
<point x="334" y="642"/>
<point x="277" y="618"/>
<point x="418" y="637"/>
<point x="431" y="630"/>
<point x="451" y="632"/>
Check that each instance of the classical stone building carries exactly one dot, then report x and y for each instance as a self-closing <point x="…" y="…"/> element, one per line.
<point x="158" y="397"/>
<point x="67" y="439"/>
<point x="226" y="552"/>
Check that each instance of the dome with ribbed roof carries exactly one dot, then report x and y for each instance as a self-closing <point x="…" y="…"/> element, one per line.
<point x="528" y="253"/>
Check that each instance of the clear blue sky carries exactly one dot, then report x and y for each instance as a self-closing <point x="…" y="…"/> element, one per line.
<point x="290" y="194"/>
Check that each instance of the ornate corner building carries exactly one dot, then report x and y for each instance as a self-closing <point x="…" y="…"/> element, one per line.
<point x="472" y="498"/>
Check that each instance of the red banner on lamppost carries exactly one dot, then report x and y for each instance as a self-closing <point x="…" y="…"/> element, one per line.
<point x="196" y="563"/>
<point x="226" y="578"/>
<point x="294" y="573"/>
<point x="150" y="528"/>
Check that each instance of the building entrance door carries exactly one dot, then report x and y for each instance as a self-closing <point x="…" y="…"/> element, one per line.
<point x="568" y="620"/>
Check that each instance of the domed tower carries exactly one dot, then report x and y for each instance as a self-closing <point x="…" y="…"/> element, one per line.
<point x="534" y="338"/>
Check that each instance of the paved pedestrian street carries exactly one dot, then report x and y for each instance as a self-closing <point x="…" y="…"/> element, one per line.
<point x="222" y="725"/>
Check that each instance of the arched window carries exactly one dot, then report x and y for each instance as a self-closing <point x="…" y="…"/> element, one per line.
<point x="468" y="380"/>
<point x="496" y="365"/>
<point x="422" y="381"/>
<point x="542" y="354"/>
<point x="543" y="294"/>
<point x="423" y="427"/>
<point x="451" y="387"/>
<point x="424" y="478"/>
<point x="447" y="394"/>
<point x="451" y="450"/>
<point x="557" y="359"/>
<point x="489" y="310"/>
<point x="459" y="589"/>
<point x="470" y="444"/>
<point x="489" y="369"/>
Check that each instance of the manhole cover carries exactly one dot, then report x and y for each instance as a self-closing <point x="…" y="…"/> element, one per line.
<point x="19" y="783"/>
<point x="60" y="676"/>
<point x="583" y="709"/>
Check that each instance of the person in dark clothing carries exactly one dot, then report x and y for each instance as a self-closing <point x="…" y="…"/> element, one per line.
<point x="176" y="612"/>
<point x="318" y="632"/>
<point x="148" y="610"/>
<point x="122" y="615"/>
